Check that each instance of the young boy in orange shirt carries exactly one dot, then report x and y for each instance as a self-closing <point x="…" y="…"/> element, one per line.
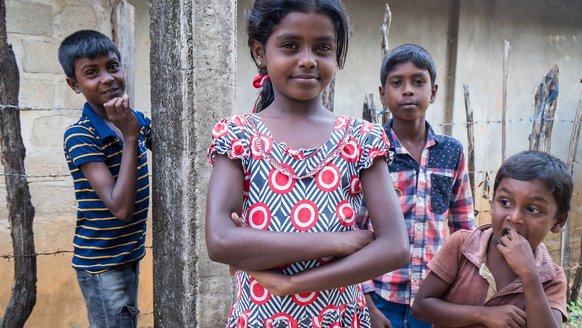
<point x="501" y="275"/>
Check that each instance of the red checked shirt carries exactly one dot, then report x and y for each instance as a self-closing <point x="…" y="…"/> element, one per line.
<point x="430" y="192"/>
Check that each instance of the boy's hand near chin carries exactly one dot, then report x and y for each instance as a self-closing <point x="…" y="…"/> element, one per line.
<point x="120" y="114"/>
<point x="517" y="253"/>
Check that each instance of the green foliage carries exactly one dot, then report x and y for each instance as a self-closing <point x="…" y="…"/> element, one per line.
<point x="575" y="314"/>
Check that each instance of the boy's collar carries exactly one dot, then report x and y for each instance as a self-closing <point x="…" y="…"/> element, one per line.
<point x="100" y="127"/>
<point x="431" y="137"/>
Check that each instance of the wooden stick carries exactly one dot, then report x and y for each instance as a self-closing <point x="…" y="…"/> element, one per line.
<point x="470" y="138"/>
<point x="506" y="50"/>
<point x="327" y="98"/>
<point x="385" y="48"/>
<point x="546" y="100"/>
<point x="385" y="115"/>
<point x="565" y="244"/>
<point x="369" y="111"/>
<point x="385" y="30"/>
<point x="123" y="21"/>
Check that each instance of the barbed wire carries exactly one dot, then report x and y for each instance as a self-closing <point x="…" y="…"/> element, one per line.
<point x="379" y="113"/>
<point x="54" y="176"/>
<point x="146" y="314"/>
<point x="28" y="109"/>
<point x="10" y="256"/>
<point x="35" y="176"/>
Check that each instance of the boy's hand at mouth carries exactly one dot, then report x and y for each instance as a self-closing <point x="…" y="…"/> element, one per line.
<point x="517" y="252"/>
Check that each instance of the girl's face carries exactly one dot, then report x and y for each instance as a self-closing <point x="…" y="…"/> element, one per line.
<point x="528" y="207"/>
<point x="300" y="55"/>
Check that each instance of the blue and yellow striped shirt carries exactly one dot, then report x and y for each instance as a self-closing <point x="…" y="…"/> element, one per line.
<point x="101" y="240"/>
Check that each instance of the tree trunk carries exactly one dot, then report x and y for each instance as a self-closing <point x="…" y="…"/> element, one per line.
<point x="20" y="209"/>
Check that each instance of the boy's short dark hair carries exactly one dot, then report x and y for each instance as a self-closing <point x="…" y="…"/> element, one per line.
<point x="84" y="44"/>
<point x="404" y="54"/>
<point x="531" y="165"/>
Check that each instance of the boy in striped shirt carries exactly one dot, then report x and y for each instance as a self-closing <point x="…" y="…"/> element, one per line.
<point x="106" y="154"/>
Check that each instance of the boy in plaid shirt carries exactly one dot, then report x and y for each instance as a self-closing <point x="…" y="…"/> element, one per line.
<point x="430" y="178"/>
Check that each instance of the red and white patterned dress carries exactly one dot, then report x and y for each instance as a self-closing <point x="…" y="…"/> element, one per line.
<point x="307" y="190"/>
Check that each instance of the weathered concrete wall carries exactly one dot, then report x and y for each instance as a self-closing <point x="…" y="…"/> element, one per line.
<point x="193" y="49"/>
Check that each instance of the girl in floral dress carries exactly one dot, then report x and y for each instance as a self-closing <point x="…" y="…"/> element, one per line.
<point x="297" y="173"/>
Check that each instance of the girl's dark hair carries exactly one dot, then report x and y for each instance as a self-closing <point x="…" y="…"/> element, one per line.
<point x="532" y="165"/>
<point x="266" y="14"/>
<point x="84" y="44"/>
<point x="407" y="53"/>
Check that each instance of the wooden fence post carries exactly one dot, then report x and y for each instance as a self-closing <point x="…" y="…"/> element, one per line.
<point x="451" y="68"/>
<point x="327" y="98"/>
<point x="470" y="138"/>
<point x="385" y="31"/>
<point x="565" y="245"/>
<point x="546" y="100"/>
<point x="369" y="111"/>
<point x="124" y="36"/>
<point x="20" y="209"/>
<point x="506" y="50"/>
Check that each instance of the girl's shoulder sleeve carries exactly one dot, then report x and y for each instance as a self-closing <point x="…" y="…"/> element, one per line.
<point x="231" y="137"/>
<point x="372" y="142"/>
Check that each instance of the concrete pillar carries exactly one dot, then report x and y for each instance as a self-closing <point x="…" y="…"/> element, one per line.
<point x="193" y="64"/>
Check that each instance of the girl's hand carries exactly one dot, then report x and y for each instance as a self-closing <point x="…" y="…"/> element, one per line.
<point x="518" y="253"/>
<point x="120" y="114"/>
<point x="504" y="316"/>
<point x="274" y="281"/>
<point x="238" y="221"/>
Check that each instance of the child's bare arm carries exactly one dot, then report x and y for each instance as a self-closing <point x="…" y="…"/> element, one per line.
<point x="118" y="194"/>
<point x="387" y="252"/>
<point x="253" y="249"/>
<point x="429" y="307"/>
<point x="519" y="256"/>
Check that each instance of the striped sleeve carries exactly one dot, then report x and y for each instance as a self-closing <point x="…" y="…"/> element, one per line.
<point x="146" y="129"/>
<point x="82" y="146"/>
